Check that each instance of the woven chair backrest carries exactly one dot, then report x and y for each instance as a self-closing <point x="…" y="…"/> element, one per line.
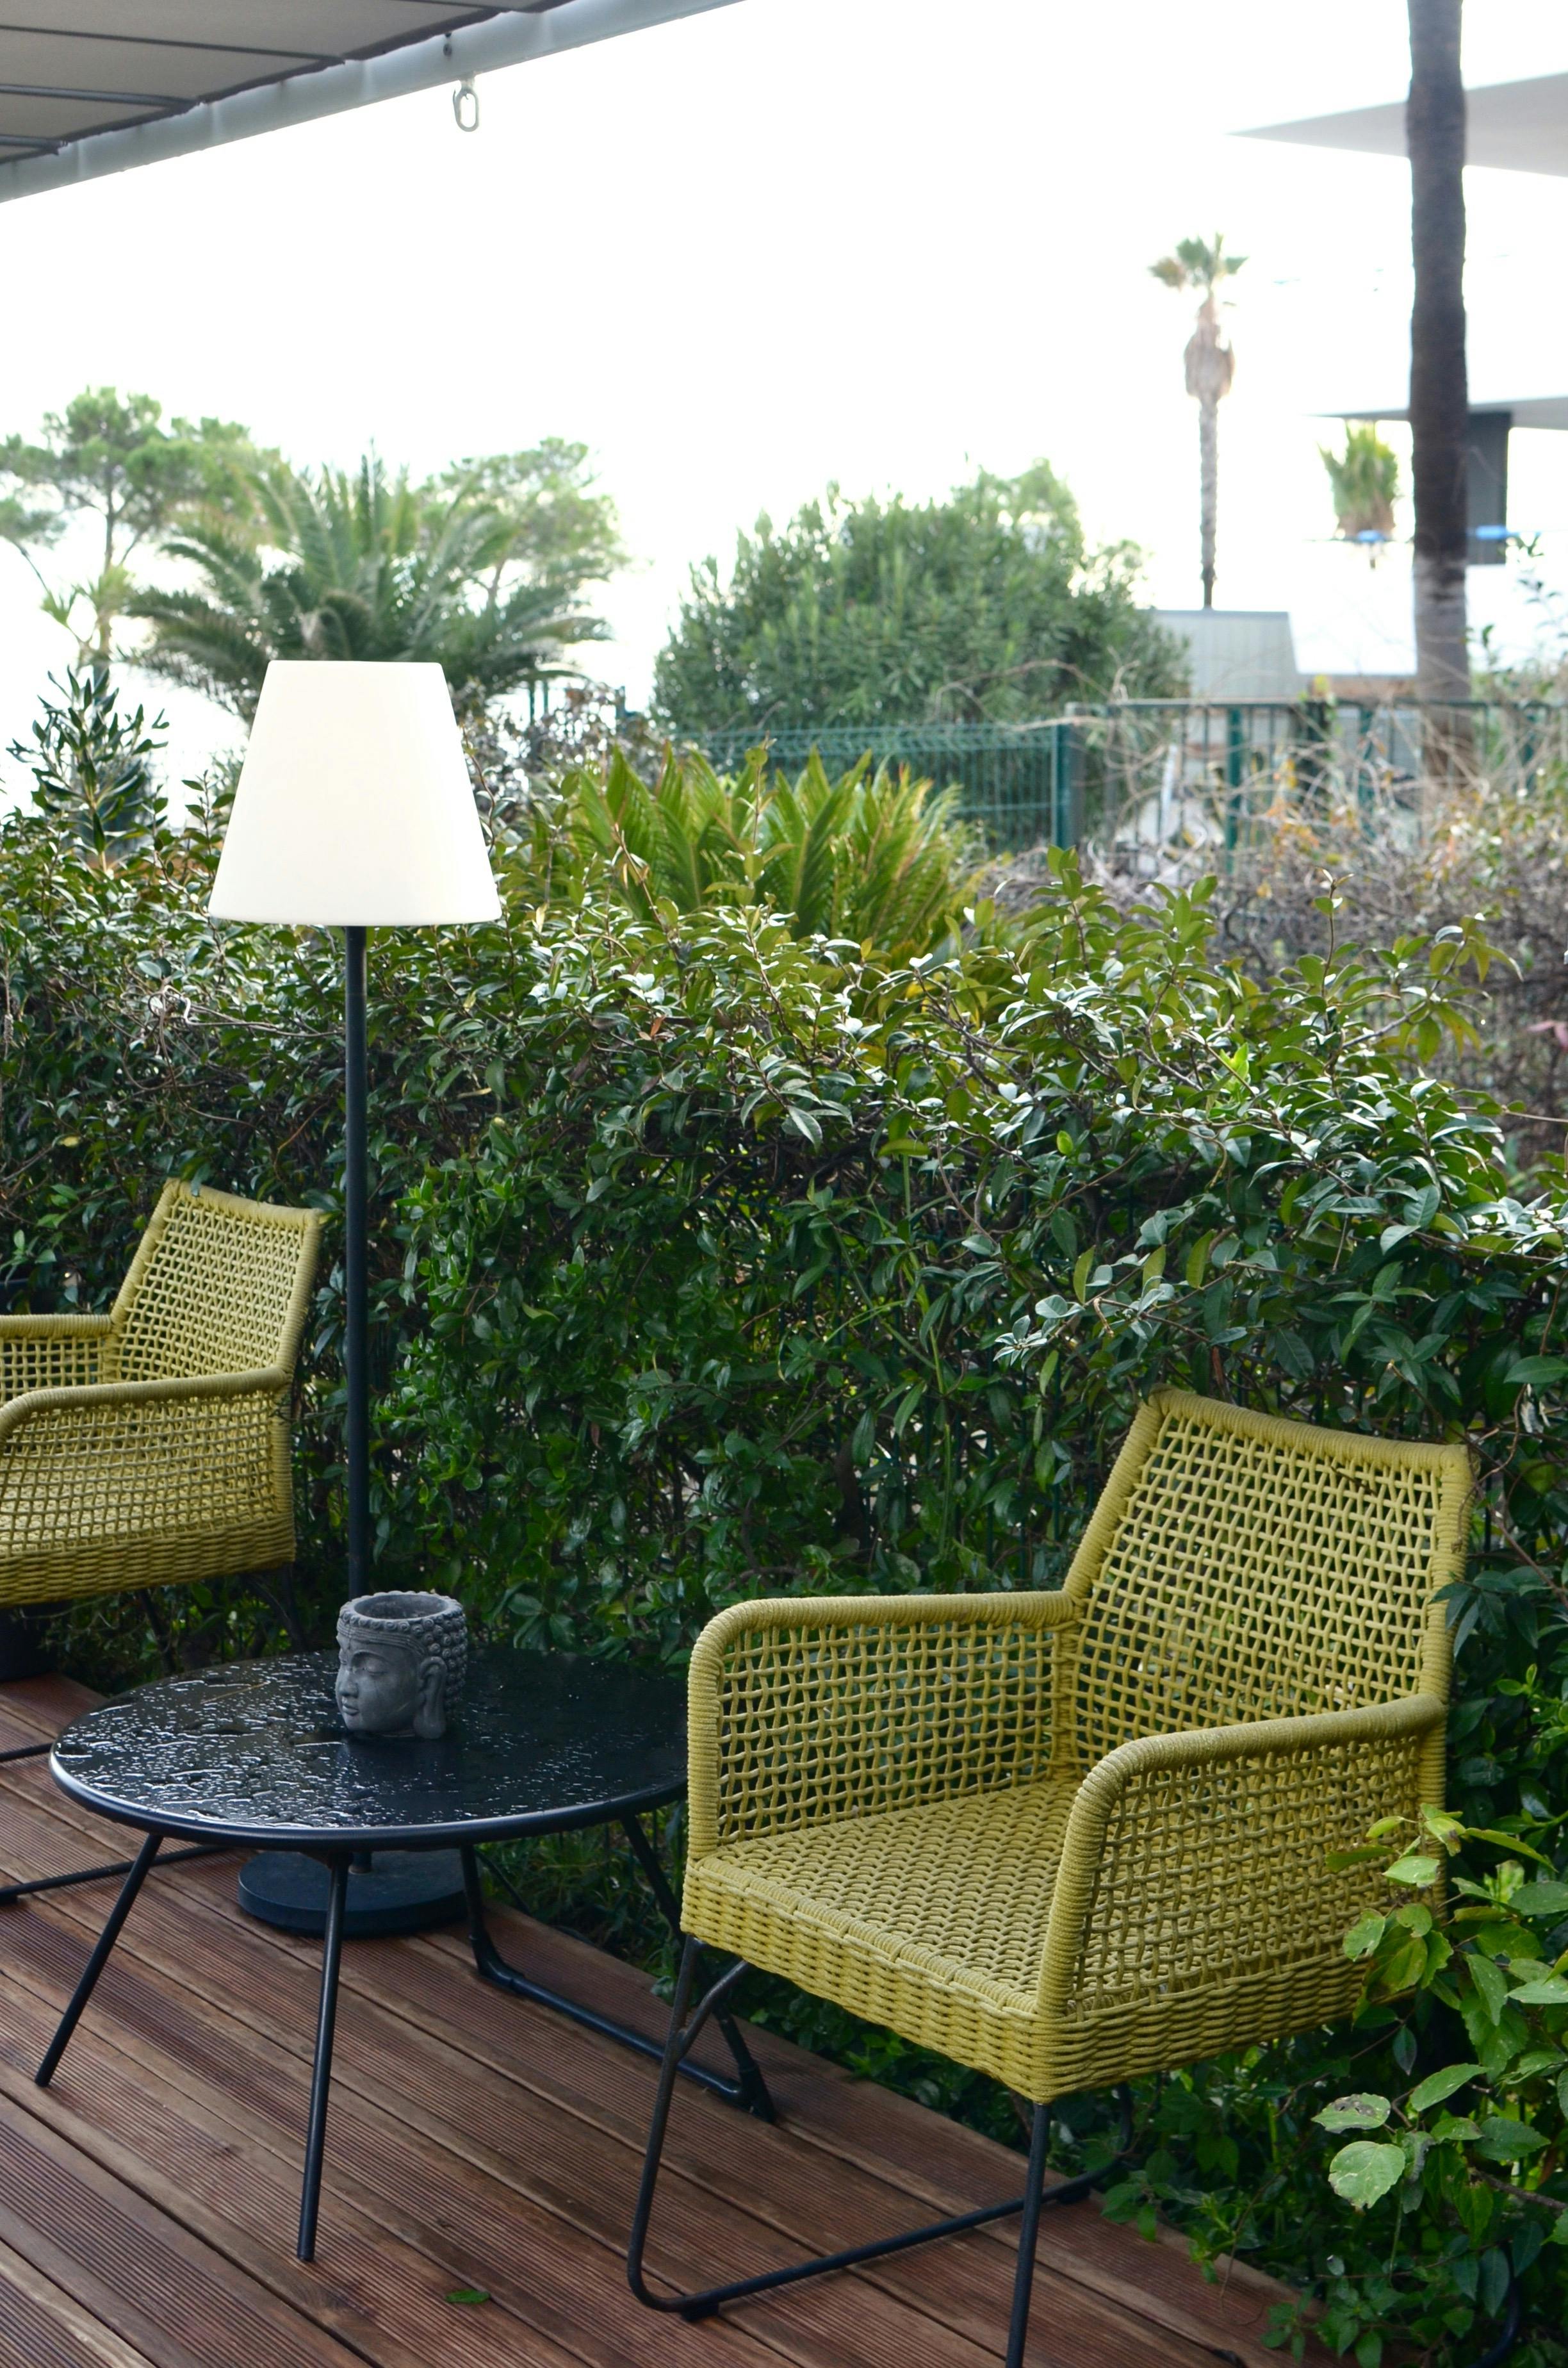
<point x="219" y="1285"/>
<point x="1239" y="1567"/>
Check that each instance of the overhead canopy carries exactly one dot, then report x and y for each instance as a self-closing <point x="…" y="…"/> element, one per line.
<point x="92" y="86"/>
<point x="1518" y="127"/>
<point x="1526" y="411"/>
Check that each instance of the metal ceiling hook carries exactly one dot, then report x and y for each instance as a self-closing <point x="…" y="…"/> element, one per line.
<point x="465" y="104"/>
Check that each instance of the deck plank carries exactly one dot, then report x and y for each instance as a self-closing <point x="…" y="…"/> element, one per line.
<point x="477" y="2141"/>
<point x="42" y="2327"/>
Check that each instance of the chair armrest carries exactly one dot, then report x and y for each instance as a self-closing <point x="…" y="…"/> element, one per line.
<point x="141" y="1459"/>
<point x="804" y="1709"/>
<point x="100" y="1397"/>
<point x="41" y="1352"/>
<point x="1193" y="1861"/>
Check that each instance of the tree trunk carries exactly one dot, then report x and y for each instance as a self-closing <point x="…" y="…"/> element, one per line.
<point x="1440" y="397"/>
<point x="1209" y="478"/>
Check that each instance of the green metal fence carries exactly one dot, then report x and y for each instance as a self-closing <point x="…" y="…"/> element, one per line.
<point x="1013" y="779"/>
<point x="1145" y="768"/>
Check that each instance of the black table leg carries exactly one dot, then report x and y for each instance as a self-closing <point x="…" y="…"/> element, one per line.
<point x="11" y="1891"/>
<point x="321" y="2082"/>
<point x="748" y="2088"/>
<point x="99" y="1958"/>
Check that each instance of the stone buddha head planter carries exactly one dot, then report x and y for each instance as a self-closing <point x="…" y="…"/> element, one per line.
<point x="401" y="1664"/>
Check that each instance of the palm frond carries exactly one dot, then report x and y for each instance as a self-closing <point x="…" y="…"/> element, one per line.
<point x="363" y="564"/>
<point x="876" y="857"/>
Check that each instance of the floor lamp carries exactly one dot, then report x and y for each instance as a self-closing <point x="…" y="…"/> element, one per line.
<point x="354" y="811"/>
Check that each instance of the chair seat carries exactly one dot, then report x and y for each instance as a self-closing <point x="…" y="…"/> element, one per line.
<point x="931" y="1919"/>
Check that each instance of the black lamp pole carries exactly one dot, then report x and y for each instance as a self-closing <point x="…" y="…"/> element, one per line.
<point x="357" y="1422"/>
<point x="400" y="1891"/>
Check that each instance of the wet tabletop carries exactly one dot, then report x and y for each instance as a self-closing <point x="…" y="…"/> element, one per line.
<point x="255" y="1751"/>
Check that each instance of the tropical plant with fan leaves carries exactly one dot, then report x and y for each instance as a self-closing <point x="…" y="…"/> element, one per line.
<point x="363" y="564"/>
<point x="875" y="860"/>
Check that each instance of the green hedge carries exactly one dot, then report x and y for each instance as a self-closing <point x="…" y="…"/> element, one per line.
<point x="768" y="1270"/>
<point x="709" y="1263"/>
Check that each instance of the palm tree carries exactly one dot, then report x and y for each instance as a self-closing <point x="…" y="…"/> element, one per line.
<point x="334" y="565"/>
<point x="1210" y="367"/>
<point x="1440" y="393"/>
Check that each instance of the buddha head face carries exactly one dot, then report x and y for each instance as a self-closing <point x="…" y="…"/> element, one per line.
<point x="401" y="1664"/>
<point x="382" y="1688"/>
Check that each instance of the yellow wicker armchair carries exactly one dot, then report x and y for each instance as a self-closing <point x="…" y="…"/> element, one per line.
<point x="1068" y="1838"/>
<point x="151" y="1445"/>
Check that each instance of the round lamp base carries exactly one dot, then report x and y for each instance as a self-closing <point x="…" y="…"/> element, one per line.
<point x="398" y="1891"/>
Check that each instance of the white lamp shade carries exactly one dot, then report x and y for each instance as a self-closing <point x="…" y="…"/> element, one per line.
<point x="354" y="808"/>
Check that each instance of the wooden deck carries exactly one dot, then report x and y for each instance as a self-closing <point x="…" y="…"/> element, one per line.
<point x="147" y="2202"/>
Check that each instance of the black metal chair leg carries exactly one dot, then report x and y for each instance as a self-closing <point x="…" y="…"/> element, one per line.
<point x="321" y="2080"/>
<point x="99" y="1958"/>
<point x="1029" y="2238"/>
<point x="27" y="1751"/>
<point x="685" y="2024"/>
<point x="668" y="2069"/>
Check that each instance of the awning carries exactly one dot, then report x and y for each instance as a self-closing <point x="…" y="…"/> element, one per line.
<point x="1520" y="411"/>
<point x="93" y="87"/>
<point x="1516" y="127"/>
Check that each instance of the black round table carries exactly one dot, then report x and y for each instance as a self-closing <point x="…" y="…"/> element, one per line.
<point x="252" y="1754"/>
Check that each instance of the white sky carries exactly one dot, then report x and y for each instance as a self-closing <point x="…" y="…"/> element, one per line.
<point x="792" y="239"/>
